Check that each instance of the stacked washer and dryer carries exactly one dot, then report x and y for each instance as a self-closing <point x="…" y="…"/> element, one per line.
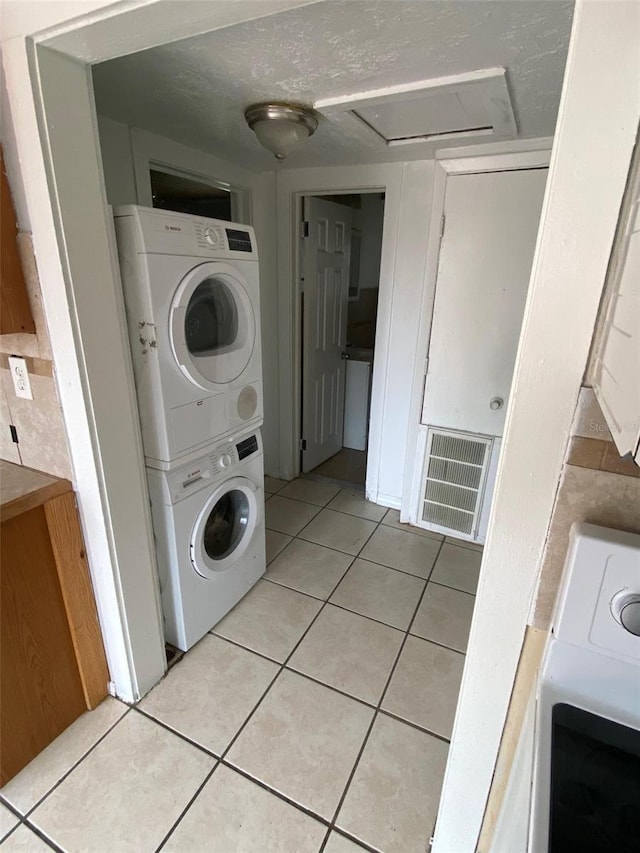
<point x="191" y="289"/>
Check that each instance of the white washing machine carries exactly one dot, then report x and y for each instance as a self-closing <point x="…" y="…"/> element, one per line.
<point x="208" y="521"/>
<point x="192" y="295"/>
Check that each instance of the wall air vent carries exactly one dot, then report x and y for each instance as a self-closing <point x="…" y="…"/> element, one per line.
<point x="455" y="474"/>
<point x="443" y="110"/>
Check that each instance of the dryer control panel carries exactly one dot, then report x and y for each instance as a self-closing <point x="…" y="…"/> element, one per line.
<point x="165" y="232"/>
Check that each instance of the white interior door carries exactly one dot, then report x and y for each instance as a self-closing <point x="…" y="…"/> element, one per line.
<point x="490" y="229"/>
<point x="327" y="249"/>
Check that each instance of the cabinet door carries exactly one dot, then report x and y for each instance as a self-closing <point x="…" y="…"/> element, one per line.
<point x="41" y="690"/>
<point x="15" y="309"/>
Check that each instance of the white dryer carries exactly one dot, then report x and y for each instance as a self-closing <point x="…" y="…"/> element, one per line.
<point x="208" y="522"/>
<point x="192" y="296"/>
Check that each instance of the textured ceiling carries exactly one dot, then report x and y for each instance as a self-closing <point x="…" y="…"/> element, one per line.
<point x="195" y="91"/>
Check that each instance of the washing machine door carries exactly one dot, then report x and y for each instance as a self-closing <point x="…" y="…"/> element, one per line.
<point x="212" y="325"/>
<point x="224" y="527"/>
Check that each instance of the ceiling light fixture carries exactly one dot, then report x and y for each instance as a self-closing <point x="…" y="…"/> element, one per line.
<point x="280" y="127"/>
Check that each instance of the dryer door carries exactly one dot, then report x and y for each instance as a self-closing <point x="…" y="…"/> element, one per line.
<point x="212" y="325"/>
<point x="224" y="528"/>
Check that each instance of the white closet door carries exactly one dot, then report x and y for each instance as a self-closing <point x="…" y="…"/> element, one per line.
<point x="491" y="225"/>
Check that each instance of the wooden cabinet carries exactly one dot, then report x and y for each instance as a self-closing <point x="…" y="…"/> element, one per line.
<point x="52" y="662"/>
<point x="15" y="308"/>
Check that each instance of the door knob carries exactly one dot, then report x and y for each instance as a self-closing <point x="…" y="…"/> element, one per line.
<point x="496" y="403"/>
<point x="345" y="356"/>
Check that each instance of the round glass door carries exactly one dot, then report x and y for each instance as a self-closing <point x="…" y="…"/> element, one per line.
<point x="224" y="528"/>
<point x="212" y="325"/>
<point x="211" y="320"/>
<point x="226" y="525"/>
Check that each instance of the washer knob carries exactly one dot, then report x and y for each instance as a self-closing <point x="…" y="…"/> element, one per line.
<point x="210" y="237"/>
<point x="225" y="461"/>
<point x="625" y="608"/>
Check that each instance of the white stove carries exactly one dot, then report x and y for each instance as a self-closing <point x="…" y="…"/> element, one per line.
<point x="586" y="794"/>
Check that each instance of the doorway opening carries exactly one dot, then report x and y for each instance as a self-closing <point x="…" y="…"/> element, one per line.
<point x="339" y="276"/>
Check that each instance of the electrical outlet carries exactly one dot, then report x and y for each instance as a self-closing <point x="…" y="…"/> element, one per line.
<point x="20" y="376"/>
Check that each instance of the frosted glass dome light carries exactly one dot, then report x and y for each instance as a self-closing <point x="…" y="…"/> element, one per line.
<point x="280" y="127"/>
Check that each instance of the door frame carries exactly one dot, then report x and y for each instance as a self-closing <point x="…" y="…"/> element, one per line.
<point x="538" y="158"/>
<point x="298" y="271"/>
<point x="290" y="191"/>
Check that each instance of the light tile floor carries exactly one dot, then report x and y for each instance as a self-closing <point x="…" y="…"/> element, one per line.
<point x="314" y="717"/>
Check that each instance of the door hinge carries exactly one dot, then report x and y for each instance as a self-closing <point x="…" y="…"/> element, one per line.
<point x="14" y="434"/>
<point x="443" y="222"/>
<point x="304" y="229"/>
<point x="426" y="365"/>
<point x="303" y="444"/>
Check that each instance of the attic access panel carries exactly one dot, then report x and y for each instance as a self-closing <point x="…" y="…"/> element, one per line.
<point x="446" y="108"/>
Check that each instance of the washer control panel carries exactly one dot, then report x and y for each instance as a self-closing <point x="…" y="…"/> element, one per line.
<point x="209" y="470"/>
<point x="247" y="447"/>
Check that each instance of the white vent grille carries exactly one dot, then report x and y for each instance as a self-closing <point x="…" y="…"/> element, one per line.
<point x="455" y="473"/>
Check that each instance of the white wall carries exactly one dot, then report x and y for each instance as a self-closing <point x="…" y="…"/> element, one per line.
<point x="369" y="220"/>
<point x="117" y="161"/>
<point x="126" y="153"/>
<point x="12" y="163"/>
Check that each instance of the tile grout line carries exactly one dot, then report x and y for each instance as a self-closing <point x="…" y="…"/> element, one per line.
<point x="454" y="588"/>
<point x="417" y="726"/>
<point x="282" y="667"/>
<point x="223" y="762"/>
<point x="188" y="806"/>
<point x="357" y="557"/>
<point x="325" y="840"/>
<point x="209" y="752"/>
<point x="290" y="801"/>
<point x="42" y="836"/>
<point x="10" y="807"/>
<point x="382" y="696"/>
<point x="289" y="668"/>
<point x="39" y="802"/>
<point x="35" y="830"/>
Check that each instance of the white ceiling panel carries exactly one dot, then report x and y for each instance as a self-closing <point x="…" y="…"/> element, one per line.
<point x="421" y="116"/>
<point x="450" y="109"/>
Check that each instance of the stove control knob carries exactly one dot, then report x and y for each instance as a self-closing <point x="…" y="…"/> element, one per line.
<point x="625" y="607"/>
<point x="225" y="461"/>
